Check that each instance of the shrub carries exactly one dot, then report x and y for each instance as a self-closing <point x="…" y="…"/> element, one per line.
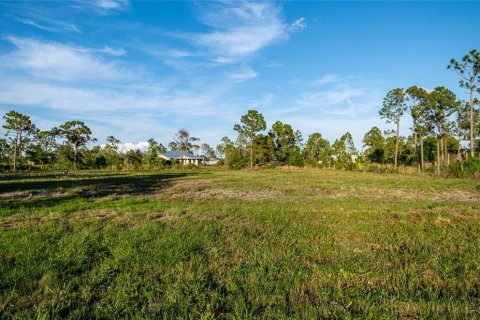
<point x="467" y="168"/>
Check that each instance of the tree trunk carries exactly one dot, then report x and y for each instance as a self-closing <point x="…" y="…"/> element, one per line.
<point x="472" y="146"/>
<point x="421" y="154"/>
<point x="438" y="156"/>
<point x="459" y="153"/>
<point x="251" y="151"/>
<point x="396" y="143"/>
<point x="15" y="147"/>
<point x="442" y="155"/>
<point x="446" y="153"/>
<point x="415" y="137"/>
<point x="75" y="158"/>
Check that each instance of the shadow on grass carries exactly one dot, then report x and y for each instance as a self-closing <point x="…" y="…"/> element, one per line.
<point x="31" y="195"/>
<point x="94" y="185"/>
<point x="40" y="175"/>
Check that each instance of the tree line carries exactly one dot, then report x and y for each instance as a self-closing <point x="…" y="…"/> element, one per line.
<point x="441" y="123"/>
<point x="66" y="147"/>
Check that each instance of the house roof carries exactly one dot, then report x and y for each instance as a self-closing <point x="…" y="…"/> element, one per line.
<point x="177" y="154"/>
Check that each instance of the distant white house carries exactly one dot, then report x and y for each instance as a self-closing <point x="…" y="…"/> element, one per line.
<point x="210" y="161"/>
<point x="182" y="157"/>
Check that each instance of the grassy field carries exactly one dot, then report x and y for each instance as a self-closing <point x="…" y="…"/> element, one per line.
<point x="217" y="244"/>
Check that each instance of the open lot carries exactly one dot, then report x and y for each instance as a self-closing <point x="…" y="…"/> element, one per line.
<point x="218" y="244"/>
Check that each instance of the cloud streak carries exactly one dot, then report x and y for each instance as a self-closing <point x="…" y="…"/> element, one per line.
<point x="241" y="29"/>
<point x="54" y="61"/>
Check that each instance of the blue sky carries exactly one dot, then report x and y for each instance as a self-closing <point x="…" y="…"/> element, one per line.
<point x="138" y="70"/>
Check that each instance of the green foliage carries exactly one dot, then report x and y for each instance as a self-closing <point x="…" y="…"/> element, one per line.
<point x="250" y="124"/>
<point x="317" y="150"/>
<point x="394" y="106"/>
<point x="374" y="145"/>
<point x="343" y="149"/>
<point x="77" y="134"/>
<point x="183" y="141"/>
<point x="469" y="72"/>
<point x="468" y="168"/>
<point x="20" y="129"/>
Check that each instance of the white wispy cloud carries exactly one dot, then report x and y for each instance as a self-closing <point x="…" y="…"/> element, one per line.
<point x="55" y="61"/>
<point x="110" y="5"/>
<point x="298" y="25"/>
<point x="329" y="100"/>
<point x="242" y="74"/>
<point x="44" y="21"/>
<point x="35" y="24"/>
<point x="337" y="96"/>
<point x="114" y="51"/>
<point x="328" y="78"/>
<point x="76" y="80"/>
<point x="241" y="29"/>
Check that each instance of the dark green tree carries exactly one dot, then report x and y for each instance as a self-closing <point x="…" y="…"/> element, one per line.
<point x="20" y="129"/>
<point x="250" y="124"/>
<point x="442" y="103"/>
<point x="344" y="149"/>
<point x="154" y="151"/>
<point x="415" y="97"/>
<point x="77" y="134"/>
<point x="284" y="142"/>
<point x="44" y="151"/>
<point x="394" y="106"/>
<point x="316" y="149"/>
<point x="374" y="145"/>
<point x="469" y="72"/>
<point x="225" y="150"/>
<point x="113" y="157"/>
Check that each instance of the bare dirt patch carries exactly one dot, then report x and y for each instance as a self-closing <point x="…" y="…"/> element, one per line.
<point x="37" y="194"/>
<point x="400" y="194"/>
<point x="227" y="194"/>
<point x="200" y="189"/>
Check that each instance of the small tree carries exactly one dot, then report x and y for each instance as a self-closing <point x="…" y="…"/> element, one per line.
<point x="225" y="149"/>
<point x="112" y="143"/>
<point x="344" y="148"/>
<point x="154" y="150"/>
<point x="4" y="149"/>
<point x="77" y="134"/>
<point x="469" y="71"/>
<point x="20" y="128"/>
<point x="207" y="151"/>
<point x="284" y="142"/>
<point x="251" y="123"/>
<point x="113" y="157"/>
<point x="316" y="149"/>
<point x="44" y="150"/>
<point x="394" y="107"/>
<point x="183" y="141"/>
<point x="374" y="144"/>
<point x="442" y="102"/>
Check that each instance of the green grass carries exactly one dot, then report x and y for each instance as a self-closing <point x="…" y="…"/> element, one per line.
<point x="217" y="244"/>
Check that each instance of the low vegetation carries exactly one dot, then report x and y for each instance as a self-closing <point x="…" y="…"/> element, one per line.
<point x="285" y="243"/>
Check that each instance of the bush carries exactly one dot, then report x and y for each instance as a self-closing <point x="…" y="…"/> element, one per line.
<point x="467" y="168"/>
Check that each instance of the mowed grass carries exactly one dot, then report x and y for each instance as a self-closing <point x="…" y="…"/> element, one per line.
<point x="218" y="244"/>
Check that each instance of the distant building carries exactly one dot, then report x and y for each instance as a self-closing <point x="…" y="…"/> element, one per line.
<point x="182" y="157"/>
<point x="210" y="161"/>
